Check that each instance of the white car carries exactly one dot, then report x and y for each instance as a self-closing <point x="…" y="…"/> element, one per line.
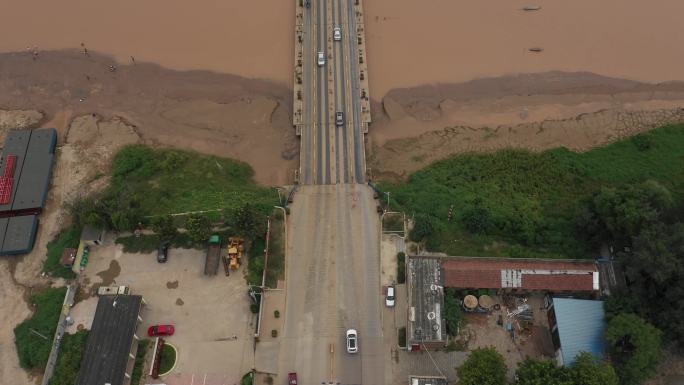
<point x="337" y="34"/>
<point x="389" y="299"/>
<point x="321" y="59"/>
<point x="352" y="341"/>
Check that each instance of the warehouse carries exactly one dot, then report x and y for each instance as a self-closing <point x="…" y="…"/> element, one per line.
<point x="25" y="172"/>
<point x="109" y="355"/>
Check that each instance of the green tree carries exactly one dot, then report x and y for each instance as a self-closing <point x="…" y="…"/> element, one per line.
<point x="69" y="359"/>
<point x="423" y="227"/>
<point x="165" y="227"/>
<point x="484" y="366"/>
<point x="248" y="220"/>
<point x="477" y="219"/>
<point x="634" y="346"/>
<point x="198" y="227"/>
<point x="587" y="370"/>
<point x="452" y="311"/>
<point x="541" y="372"/>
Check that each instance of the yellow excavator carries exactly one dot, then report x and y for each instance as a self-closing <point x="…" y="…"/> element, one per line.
<point x="233" y="259"/>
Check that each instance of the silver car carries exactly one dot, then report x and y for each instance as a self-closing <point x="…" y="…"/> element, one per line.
<point x="339" y="118"/>
<point x="337" y="34"/>
<point x="321" y="59"/>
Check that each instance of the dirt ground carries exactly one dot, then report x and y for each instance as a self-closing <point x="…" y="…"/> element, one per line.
<point x="211" y="113"/>
<point x="214" y="326"/>
<point x="415" y="127"/>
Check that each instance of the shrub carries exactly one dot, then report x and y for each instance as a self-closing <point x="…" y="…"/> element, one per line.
<point x="254" y="308"/>
<point x="69" y="359"/>
<point x="67" y="238"/>
<point x="401" y="267"/>
<point x="274" y="333"/>
<point x="276" y="314"/>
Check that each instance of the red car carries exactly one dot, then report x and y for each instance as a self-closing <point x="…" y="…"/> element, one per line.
<point x="292" y="378"/>
<point x="160" y="330"/>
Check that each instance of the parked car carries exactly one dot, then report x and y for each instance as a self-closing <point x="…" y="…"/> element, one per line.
<point x="352" y="341"/>
<point x="160" y="330"/>
<point x="321" y="59"/>
<point x="292" y="379"/>
<point x="337" y="34"/>
<point x="163" y="252"/>
<point x="339" y="118"/>
<point x="389" y="298"/>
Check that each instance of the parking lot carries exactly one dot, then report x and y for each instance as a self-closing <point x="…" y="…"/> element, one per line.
<point x="214" y="326"/>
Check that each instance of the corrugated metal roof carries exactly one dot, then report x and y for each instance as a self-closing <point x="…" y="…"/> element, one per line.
<point x="34" y="180"/>
<point x="19" y="234"/>
<point x="581" y="327"/>
<point x="16" y="143"/>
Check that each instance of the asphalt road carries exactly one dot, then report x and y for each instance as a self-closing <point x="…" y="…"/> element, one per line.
<point x="331" y="154"/>
<point x="333" y="284"/>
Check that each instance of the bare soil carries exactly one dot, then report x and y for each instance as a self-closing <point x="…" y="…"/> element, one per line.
<point x="415" y="127"/>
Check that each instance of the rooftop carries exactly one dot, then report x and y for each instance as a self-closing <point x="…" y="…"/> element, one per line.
<point x="581" y="326"/>
<point x="527" y="274"/>
<point x="17" y="234"/>
<point x="426" y="301"/>
<point x="111" y="336"/>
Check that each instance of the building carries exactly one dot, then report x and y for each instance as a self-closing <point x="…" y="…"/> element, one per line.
<point x="576" y="325"/>
<point x="427" y="380"/>
<point x="25" y="172"/>
<point x="68" y="257"/>
<point x="521" y="275"/>
<point x="426" y="328"/>
<point x="112" y="344"/>
<point x="92" y="236"/>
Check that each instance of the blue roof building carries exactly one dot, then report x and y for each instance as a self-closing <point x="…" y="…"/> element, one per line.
<point x="577" y="325"/>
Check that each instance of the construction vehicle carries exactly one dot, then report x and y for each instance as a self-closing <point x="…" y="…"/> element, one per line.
<point x="233" y="259"/>
<point x="213" y="255"/>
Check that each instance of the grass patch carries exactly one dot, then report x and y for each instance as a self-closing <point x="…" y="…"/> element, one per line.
<point x="67" y="238"/>
<point x="147" y="181"/>
<point x="520" y="204"/>
<point x="276" y="248"/>
<point x="70" y="356"/>
<point x="255" y="266"/>
<point x="168" y="359"/>
<point x="393" y="223"/>
<point x="33" y="350"/>
<point x="148" y="243"/>
<point x="139" y="361"/>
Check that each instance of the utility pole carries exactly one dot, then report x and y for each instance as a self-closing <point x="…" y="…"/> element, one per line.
<point x="388" y="196"/>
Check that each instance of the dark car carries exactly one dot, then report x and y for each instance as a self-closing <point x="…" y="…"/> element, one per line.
<point x="163" y="252"/>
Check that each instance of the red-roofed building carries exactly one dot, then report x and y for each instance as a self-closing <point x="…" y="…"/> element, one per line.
<point x="520" y="274"/>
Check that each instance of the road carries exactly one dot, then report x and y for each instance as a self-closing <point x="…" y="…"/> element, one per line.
<point x="333" y="285"/>
<point x="332" y="272"/>
<point x="331" y="154"/>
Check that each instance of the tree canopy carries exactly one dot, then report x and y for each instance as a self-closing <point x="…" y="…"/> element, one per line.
<point x="634" y="346"/>
<point x="586" y="370"/>
<point x="484" y="366"/>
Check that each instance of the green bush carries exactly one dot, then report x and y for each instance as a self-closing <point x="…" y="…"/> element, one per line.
<point x="168" y="359"/>
<point x="69" y="359"/>
<point x="276" y="314"/>
<point x="67" y="238"/>
<point x="33" y="350"/>
<point x="401" y="267"/>
<point x="139" y="361"/>
<point x="254" y="308"/>
<point x="452" y="311"/>
<point x="274" y="333"/>
<point x="483" y="366"/>
<point x="247" y="379"/>
<point x="635" y="347"/>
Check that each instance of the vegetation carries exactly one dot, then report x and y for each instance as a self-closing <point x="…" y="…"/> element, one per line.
<point x="32" y="348"/>
<point x="586" y="370"/>
<point x="69" y="237"/>
<point x="402" y="336"/>
<point x="255" y="268"/>
<point x="452" y="311"/>
<point x="484" y="366"/>
<point x="168" y="359"/>
<point x="634" y="347"/>
<point x="148" y="181"/>
<point x="165" y="227"/>
<point x="198" y="227"/>
<point x="147" y="243"/>
<point x="248" y="220"/>
<point x="247" y="379"/>
<point x="70" y="356"/>
<point x="516" y="203"/>
<point x="401" y="267"/>
<point x="139" y="362"/>
<point x="276" y="252"/>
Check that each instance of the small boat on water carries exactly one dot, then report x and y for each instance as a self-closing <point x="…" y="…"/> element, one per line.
<point x="536" y="49"/>
<point x="531" y="7"/>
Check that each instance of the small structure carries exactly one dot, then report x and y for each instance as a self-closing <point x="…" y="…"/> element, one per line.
<point x="576" y="325"/>
<point x="110" y="352"/>
<point x="68" y="257"/>
<point x="521" y="275"/>
<point x="425" y="303"/>
<point x="427" y="380"/>
<point x="92" y="236"/>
